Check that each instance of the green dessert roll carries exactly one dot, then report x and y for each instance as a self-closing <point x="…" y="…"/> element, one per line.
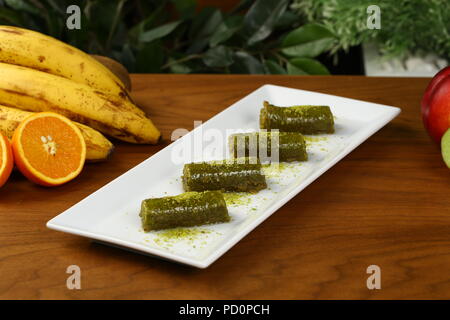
<point x="269" y="146"/>
<point x="303" y="119"/>
<point x="185" y="210"/>
<point x="242" y="175"/>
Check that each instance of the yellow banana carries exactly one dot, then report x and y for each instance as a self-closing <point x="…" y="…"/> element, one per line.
<point x="33" y="90"/>
<point x="98" y="148"/>
<point x="35" y="50"/>
<point x="115" y="67"/>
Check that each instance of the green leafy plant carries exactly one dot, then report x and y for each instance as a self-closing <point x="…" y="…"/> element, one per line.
<point x="259" y="37"/>
<point x="419" y="26"/>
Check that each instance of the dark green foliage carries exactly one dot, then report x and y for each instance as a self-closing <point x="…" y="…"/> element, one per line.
<point x="159" y="36"/>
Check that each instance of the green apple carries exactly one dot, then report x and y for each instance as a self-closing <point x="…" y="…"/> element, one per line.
<point x="445" y="147"/>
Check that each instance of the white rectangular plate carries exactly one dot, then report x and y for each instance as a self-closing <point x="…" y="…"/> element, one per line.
<point x="111" y="214"/>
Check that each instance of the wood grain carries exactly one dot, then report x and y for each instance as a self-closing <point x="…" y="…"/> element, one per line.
<point x="386" y="203"/>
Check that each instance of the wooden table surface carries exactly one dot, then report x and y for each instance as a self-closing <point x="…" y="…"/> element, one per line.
<point x="387" y="203"/>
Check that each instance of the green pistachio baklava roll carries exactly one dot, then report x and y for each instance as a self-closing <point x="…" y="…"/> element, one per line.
<point x="185" y="210"/>
<point x="303" y="119"/>
<point x="269" y="146"/>
<point x="242" y="175"/>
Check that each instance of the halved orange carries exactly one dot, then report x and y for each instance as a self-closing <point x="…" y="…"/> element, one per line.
<point x="48" y="149"/>
<point x="6" y="159"/>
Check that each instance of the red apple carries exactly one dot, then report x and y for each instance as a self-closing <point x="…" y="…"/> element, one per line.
<point x="436" y="105"/>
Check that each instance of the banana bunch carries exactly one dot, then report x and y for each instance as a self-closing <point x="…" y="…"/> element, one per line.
<point x="39" y="73"/>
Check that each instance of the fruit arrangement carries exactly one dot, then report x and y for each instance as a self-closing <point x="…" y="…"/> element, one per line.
<point x="56" y="105"/>
<point x="436" y="111"/>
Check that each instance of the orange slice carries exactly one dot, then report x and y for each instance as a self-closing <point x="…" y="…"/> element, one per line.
<point x="48" y="149"/>
<point x="6" y="159"/>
